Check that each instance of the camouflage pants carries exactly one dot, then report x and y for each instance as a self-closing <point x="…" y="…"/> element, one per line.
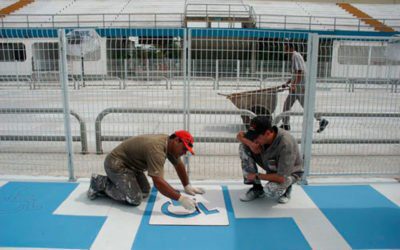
<point x="249" y="165"/>
<point x="122" y="183"/>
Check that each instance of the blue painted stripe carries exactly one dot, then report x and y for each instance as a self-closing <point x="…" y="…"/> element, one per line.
<point x="364" y="217"/>
<point x="120" y="32"/>
<point x="27" y="33"/>
<point x="252" y="233"/>
<point x="104" y="32"/>
<point x="197" y="32"/>
<point x="27" y="220"/>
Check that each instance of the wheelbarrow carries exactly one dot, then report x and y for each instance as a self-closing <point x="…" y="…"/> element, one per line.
<point x="261" y="102"/>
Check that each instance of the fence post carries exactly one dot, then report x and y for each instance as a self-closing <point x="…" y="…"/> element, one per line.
<point x="283" y="69"/>
<point x="64" y="84"/>
<point x="147" y="70"/>
<point x="125" y="73"/>
<point x="309" y="103"/>
<point x="262" y="72"/>
<point x="17" y="71"/>
<point x="216" y="84"/>
<point x="237" y="73"/>
<point x="187" y="40"/>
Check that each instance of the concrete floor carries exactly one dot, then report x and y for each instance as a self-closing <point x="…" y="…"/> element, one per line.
<point x="326" y="214"/>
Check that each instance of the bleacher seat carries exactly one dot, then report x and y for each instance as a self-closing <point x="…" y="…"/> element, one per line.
<point x="270" y="14"/>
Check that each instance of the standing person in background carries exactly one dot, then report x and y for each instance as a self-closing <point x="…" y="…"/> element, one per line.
<point x="126" y="164"/>
<point x="296" y="86"/>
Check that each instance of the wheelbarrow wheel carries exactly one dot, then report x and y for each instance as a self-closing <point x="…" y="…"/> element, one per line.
<point x="259" y="111"/>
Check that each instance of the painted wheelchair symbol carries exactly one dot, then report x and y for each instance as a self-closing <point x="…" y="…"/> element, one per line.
<point x="165" y="210"/>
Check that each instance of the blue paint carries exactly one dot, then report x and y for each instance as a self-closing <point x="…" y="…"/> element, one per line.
<point x="201" y="206"/>
<point x="205" y="210"/>
<point x="364" y="217"/>
<point x="281" y="33"/>
<point x="150" y="32"/>
<point x="27" y="220"/>
<point x="165" y="210"/>
<point x="197" y="32"/>
<point x="27" y="33"/>
<point x="253" y="233"/>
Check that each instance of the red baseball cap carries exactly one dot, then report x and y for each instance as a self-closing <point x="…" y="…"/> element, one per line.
<point x="186" y="138"/>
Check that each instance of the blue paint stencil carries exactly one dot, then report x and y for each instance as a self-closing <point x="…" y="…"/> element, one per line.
<point x="165" y="210"/>
<point x="364" y="217"/>
<point x="253" y="233"/>
<point x="27" y="220"/>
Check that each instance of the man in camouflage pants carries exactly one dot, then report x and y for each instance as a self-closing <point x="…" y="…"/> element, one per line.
<point x="126" y="164"/>
<point x="276" y="151"/>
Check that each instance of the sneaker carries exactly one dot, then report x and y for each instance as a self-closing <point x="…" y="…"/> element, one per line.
<point x="285" y="127"/>
<point x="252" y="194"/>
<point x="283" y="199"/>
<point x="92" y="192"/>
<point x="286" y="196"/>
<point x="322" y="125"/>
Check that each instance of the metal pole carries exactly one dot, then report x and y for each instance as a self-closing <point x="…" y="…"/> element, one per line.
<point x="262" y="72"/>
<point x="147" y="69"/>
<point x="309" y="103"/>
<point x="216" y="85"/>
<point x="64" y="83"/>
<point x="369" y="63"/>
<point x="17" y="71"/>
<point x="237" y="73"/>
<point x="83" y="70"/>
<point x="125" y="73"/>
<point x="283" y="69"/>
<point x="187" y="57"/>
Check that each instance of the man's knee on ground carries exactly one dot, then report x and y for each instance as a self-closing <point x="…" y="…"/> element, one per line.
<point x="134" y="199"/>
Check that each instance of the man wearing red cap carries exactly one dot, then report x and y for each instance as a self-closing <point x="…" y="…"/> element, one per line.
<point x="126" y="164"/>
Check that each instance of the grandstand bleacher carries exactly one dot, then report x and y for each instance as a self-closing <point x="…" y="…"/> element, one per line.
<point x="262" y="14"/>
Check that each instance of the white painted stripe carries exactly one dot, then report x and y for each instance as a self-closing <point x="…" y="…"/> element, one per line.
<point x="390" y="191"/>
<point x="2" y="183"/>
<point x="316" y="228"/>
<point x="121" y="225"/>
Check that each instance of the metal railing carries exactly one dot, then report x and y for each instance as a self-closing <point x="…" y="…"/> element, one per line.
<point x="100" y="138"/>
<point x="218" y="10"/>
<point x="279" y="117"/>
<point x="157" y="20"/>
<point x="98" y="20"/>
<point x="82" y="138"/>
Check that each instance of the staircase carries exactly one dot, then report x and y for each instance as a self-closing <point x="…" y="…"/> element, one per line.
<point x="14" y="7"/>
<point x="377" y="25"/>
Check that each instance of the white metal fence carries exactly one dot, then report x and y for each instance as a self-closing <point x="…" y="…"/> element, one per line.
<point x="128" y="82"/>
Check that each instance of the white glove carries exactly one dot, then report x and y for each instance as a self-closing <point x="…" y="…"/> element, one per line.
<point x="187" y="203"/>
<point x="189" y="189"/>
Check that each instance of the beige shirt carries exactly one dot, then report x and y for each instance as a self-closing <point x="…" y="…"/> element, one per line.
<point x="145" y="153"/>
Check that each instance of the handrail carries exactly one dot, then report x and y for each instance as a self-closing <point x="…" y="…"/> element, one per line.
<point x="102" y="114"/>
<point x="56" y="21"/>
<point x="82" y="137"/>
<point x="279" y="117"/>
